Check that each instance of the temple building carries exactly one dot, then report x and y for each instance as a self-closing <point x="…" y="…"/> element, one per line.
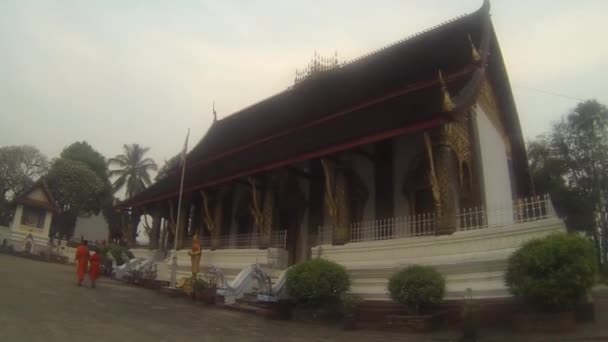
<point x="29" y="231"/>
<point x="412" y="154"/>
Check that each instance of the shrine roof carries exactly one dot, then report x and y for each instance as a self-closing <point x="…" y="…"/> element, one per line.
<point x="48" y="202"/>
<point x="391" y="91"/>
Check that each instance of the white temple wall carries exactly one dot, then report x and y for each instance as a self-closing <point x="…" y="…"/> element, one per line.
<point x="475" y="259"/>
<point x="39" y="237"/>
<point x="495" y="170"/>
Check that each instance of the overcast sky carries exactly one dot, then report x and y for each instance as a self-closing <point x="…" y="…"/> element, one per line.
<point x="115" y="72"/>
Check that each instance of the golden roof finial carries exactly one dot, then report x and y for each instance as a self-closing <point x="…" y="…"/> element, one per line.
<point x="446" y="102"/>
<point x="474" y="53"/>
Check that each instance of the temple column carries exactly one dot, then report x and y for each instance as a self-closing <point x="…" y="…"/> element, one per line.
<point x="268" y="212"/>
<point x="171" y="225"/>
<point x="336" y="201"/>
<point x="341" y="233"/>
<point x="163" y="234"/>
<point x="451" y="146"/>
<point x="448" y="189"/>
<point x="218" y="216"/>
<point x="315" y="216"/>
<point x="384" y="179"/>
<point x="447" y="174"/>
<point x="156" y="218"/>
<point x="262" y="211"/>
<point x="135" y="219"/>
<point x="212" y="217"/>
<point x="183" y="222"/>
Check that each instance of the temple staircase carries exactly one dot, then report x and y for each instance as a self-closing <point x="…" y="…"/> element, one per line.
<point x="237" y="288"/>
<point x="252" y="290"/>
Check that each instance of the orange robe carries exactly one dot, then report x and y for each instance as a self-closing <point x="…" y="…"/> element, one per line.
<point x="94" y="267"/>
<point x="82" y="261"/>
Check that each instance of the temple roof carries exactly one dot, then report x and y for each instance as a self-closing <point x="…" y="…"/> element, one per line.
<point x="388" y="92"/>
<point x="43" y="199"/>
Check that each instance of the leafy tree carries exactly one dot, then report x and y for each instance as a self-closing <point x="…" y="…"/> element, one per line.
<point x="134" y="169"/>
<point x="549" y="175"/>
<point x="84" y="153"/>
<point x="20" y="166"/>
<point x="92" y="202"/>
<point x="569" y="164"/>
<point x="134" y="175"/>
<point x="76" y="189"/>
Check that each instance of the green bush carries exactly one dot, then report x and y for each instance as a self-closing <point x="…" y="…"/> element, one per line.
<point x="553" y="273"/>
<point x="317" y="282"/>
<point x="117" y="252"/>
<point x="200" y="285"/>
<point x="417" y="286"/>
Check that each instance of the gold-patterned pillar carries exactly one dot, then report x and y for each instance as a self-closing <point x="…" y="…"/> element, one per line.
<point x="212" y="219"/>
<point x="336" y="202"/>
<point x="341" y="233"/>
<point x="448" y="178"/>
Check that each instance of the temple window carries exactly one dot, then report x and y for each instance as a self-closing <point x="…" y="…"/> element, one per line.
<point x="33" y="217"/>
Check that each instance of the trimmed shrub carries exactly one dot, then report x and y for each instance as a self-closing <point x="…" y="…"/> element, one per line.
<point x="553" y="273"/>
<point x="117" y="253"/>
<point x="317" y="282"/>
<point x="417" y="286"/>
<point x="200" y="285"/>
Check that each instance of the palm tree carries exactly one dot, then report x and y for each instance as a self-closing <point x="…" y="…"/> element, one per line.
<point x="133" y="171"/>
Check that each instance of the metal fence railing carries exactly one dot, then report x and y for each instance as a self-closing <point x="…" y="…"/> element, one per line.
<point x="278" y="239"/>
<point x="520" y="210"/>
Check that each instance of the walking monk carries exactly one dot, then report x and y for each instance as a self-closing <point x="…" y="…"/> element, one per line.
<point x="82" y="260"/>
<point x="94" y="268"/>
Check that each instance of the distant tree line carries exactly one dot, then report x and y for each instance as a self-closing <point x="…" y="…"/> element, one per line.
<point x="80" y="180"/>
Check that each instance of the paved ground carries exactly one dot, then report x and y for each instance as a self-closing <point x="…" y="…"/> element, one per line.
<point x="40" y="302"/>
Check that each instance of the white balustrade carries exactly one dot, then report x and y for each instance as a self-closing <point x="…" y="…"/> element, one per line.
<point x="521" y="210"/>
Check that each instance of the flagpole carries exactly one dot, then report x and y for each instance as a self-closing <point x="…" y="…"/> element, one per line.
<point x="179" y="206"/>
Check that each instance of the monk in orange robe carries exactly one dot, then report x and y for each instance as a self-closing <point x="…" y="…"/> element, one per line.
<point x="94" y="268"/>
<point x="82" y="260"/>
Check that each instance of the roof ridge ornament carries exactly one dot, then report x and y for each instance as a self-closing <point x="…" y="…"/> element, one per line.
<point x="475" y="56"/>
<point x="214" y="112"/>
<point x="446" y="100"/>
<point x="318" y="64"/>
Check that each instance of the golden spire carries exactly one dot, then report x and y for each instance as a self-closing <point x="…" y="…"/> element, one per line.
<point x="446" y="102"/>
<point x="474" y="53"/>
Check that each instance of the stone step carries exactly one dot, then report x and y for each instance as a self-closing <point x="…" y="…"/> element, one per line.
<point x="239" y="307"/>
<point x="250" y="299"/>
